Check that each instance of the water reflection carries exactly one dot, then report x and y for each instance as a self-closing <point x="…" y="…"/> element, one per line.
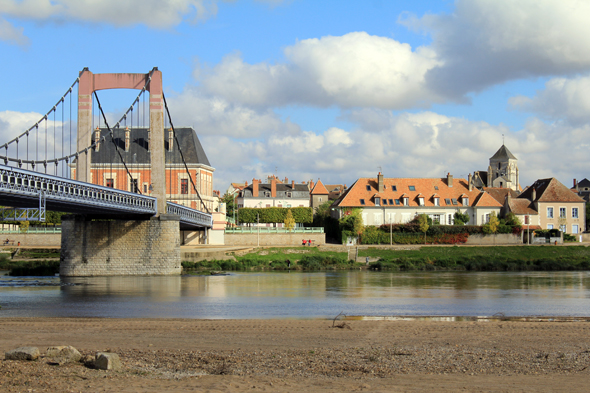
<point x="301" y="295"/>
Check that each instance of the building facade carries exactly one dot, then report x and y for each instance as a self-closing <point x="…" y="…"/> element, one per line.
<point x="399" y="200"/>
<point x="274" y="194"/>
<point x="192" y="189"/>
<point x="502" y="172"/>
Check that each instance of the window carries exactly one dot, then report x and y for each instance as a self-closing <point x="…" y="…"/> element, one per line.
<point x="526" y="220"/>
<point x="562" y="228"/>
<point x="391" y="202"/>
<point x="421" y="201"/>
<point x="133" y="187"/>
<point x="385" y="201"/>
<point x="436" y="202"/>
<point x="397" y="201"/>
<point x="454" y="201"/>
<point x="377" y="201"/>
<point x="368" y="188"/>
<point x="145" y="188"/>
<point x="289" y="196"/>
<point x="487" y="218"/>
<point x="267" y="194"/>
<point x="288" y="206"/>
<point x="362" y="201"/>
<point x="562" y="212"/>
<point x="574" y="212"/>
<point x="436" y="219"/>
<point x="465" y="201"/>
<point x="436" y="187"/>
<point x="550" y="214"/>
<point x="320" y="199"/>
<point x="412" y="188"/>
<point x="450" y="222"/>
<point x="575" y="229"/>
<point x="184" y="186"/>
<point x="393" y="188"/>
<point x="549" y="226"/>
<point x="268" y="205"/>
<point x="110" y="183"/>
<point x="406" y="201"/>
<point x="447" y="201"/>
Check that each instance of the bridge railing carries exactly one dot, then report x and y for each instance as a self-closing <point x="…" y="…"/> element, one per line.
<point x="32" y="231"/>
<point x="189" y="215"/>
<point x="32" y="184"/>
<point x="273" y="230"/>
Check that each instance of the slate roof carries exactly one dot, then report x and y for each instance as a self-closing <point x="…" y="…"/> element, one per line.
<point x="427" y="187"/>
<point x="281" y="187"/>
<point x="503" y="153"/>
<point x="550" y="190"/>
<point x="192" y="150"/>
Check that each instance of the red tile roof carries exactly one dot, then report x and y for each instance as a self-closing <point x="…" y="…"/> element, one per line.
<point x="426" y="187"/>
<point x="319" y="189"/>
<point x="499" y="194"/>
<point x="522" y="206"/>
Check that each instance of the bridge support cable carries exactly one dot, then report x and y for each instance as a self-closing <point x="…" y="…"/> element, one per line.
<point x="182" y="156"/>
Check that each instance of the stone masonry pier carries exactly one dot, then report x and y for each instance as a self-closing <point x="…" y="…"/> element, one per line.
<point x="120" y="247"/>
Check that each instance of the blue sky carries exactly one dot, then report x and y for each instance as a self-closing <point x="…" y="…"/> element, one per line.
<point x="325" y="89"/>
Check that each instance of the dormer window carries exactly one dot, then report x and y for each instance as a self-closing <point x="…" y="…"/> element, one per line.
<point x="406" y="201"/>
<point x="421" y="201"/>
<point x="436" y="201"/>
<point x="377" y="201"/>
<point x="465" y="201"/>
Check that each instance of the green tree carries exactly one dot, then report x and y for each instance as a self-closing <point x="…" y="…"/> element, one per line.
<point x="321" y="214"/>
<point x="423" y="224"/>
<point x="512" y="220"/>
<point x="492" y="226"/>
<point x="289" y="221"/>
<point x="230" y="205"/>
<point x="24" y="226"/>
<point x="352" y="222"/>
<point x="460" y="218"/>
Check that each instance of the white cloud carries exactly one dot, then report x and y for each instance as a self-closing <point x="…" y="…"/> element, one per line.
<point x="562" y="99"/>
<point x="152" y="13"/>
<point x="353" y="70"/>
<point x="484" y="42"/>
<point x="12" y="34"/>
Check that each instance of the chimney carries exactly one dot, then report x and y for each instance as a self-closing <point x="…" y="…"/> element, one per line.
<point x="293" y="185"/>
<point x="534" y="195"/>
<point x="97" y="139"/>
<point x="490" y="176"/>
<point x="273" y="187"/>
<point x="449" y="180"/>
<point x="286" y="180"/>
<point x="170" y="139"/>
<point x="127" y="138"/>
<point x="311" y="184"/>
<point x="575" y="183"/>
<point x="470" y="182"/>
<point x="255" y="187"/>
<point x="380" y="184"/>
<point x="246" y="184"/>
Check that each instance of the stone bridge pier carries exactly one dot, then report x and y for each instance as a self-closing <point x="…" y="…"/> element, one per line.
<point x="120" y="247"/>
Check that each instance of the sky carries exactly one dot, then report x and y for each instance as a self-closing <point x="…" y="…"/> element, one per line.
<point x="333" y="89"/>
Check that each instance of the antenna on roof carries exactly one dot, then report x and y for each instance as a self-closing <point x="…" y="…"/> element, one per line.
<point x="502" y="139"/>
<point x="380" y="169"/>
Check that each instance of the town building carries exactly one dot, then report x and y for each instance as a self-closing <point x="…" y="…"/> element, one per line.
<point x="582" y="188"/>
<point x="502" y="172"/>
<point x="556" y="205"/>
<point x="399" y="200"/>
<point x="321" y="193"/>
<point x="274" y="193"/>
<point x="131" y="146"/>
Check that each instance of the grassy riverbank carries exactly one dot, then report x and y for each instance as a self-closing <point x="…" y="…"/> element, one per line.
<point x="512" y="258"/>
<point x="30" y="262"/>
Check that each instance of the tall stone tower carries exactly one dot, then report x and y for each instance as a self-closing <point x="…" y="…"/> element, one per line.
<point x="503" y="170"/>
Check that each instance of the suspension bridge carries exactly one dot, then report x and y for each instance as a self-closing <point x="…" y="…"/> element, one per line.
<point x="129" y="187"/>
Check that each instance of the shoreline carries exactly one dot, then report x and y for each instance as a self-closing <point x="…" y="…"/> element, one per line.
<point x="294" y="355"/>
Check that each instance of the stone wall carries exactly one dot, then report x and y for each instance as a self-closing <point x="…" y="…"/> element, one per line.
<point x="490" y="240"/>
<point x="34" y="239"/>
<point x="273" y="239"/>
<point x="111" y="248"/>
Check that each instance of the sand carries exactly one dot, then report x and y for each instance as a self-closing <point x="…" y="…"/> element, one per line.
<point x="162" y="355"/>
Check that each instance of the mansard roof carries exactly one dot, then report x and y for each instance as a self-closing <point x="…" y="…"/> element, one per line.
<point x="138" y="153"/>
<point x="502" y="154"/>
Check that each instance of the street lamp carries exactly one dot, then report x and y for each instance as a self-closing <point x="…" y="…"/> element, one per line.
<point x="528" y="233"/>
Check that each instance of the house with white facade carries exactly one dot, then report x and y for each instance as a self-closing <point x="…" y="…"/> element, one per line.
<point x="399" y="200"/>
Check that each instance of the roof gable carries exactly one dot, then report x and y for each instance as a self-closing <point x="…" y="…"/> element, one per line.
<point x="550" y="190"/>
<point x="319" y="189"/>
<point x="503" y="153"/>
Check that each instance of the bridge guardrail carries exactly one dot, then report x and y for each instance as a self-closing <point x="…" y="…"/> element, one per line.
<point x="189" y="215"/>
<point x="32" y="230"/>
<point x="239" y="230"/>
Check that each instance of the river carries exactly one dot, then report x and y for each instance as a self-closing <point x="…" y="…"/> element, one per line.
<point x="300" y="295"/>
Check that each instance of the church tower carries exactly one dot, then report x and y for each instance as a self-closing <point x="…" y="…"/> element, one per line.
<point x="503" y="170"/>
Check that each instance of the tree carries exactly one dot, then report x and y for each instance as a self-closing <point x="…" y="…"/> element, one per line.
<point x="423" y="224"/>
<point x="24" y="226"/>
<point x="229" y="200"/>
<point x="512" y="220"/>
<point x="321" y="214"/>
<point x="353" y="222"/>
<point x="460" y="218"/>
<point x="289" y="221"/>
<point x="492" y="225"/>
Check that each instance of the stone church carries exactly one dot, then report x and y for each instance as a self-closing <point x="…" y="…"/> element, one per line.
<point x="502" y="172"/>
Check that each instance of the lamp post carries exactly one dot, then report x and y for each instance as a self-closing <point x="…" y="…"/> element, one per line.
<point x="258" y="227"/>
<point x="528" y="234"/>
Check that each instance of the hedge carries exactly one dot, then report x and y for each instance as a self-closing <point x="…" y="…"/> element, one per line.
<point x="270" y="215"/>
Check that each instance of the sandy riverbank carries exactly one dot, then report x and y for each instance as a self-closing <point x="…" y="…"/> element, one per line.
<point x="303" y="355"/>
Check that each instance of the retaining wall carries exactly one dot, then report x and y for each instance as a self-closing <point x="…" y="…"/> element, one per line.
<point x="490" y="240"/>
<point x="273" y="239"/>
<point x="33" y="239"/>
<point x="117" y="247"/>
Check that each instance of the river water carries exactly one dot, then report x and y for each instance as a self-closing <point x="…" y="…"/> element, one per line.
<point x="300" y="295"/>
